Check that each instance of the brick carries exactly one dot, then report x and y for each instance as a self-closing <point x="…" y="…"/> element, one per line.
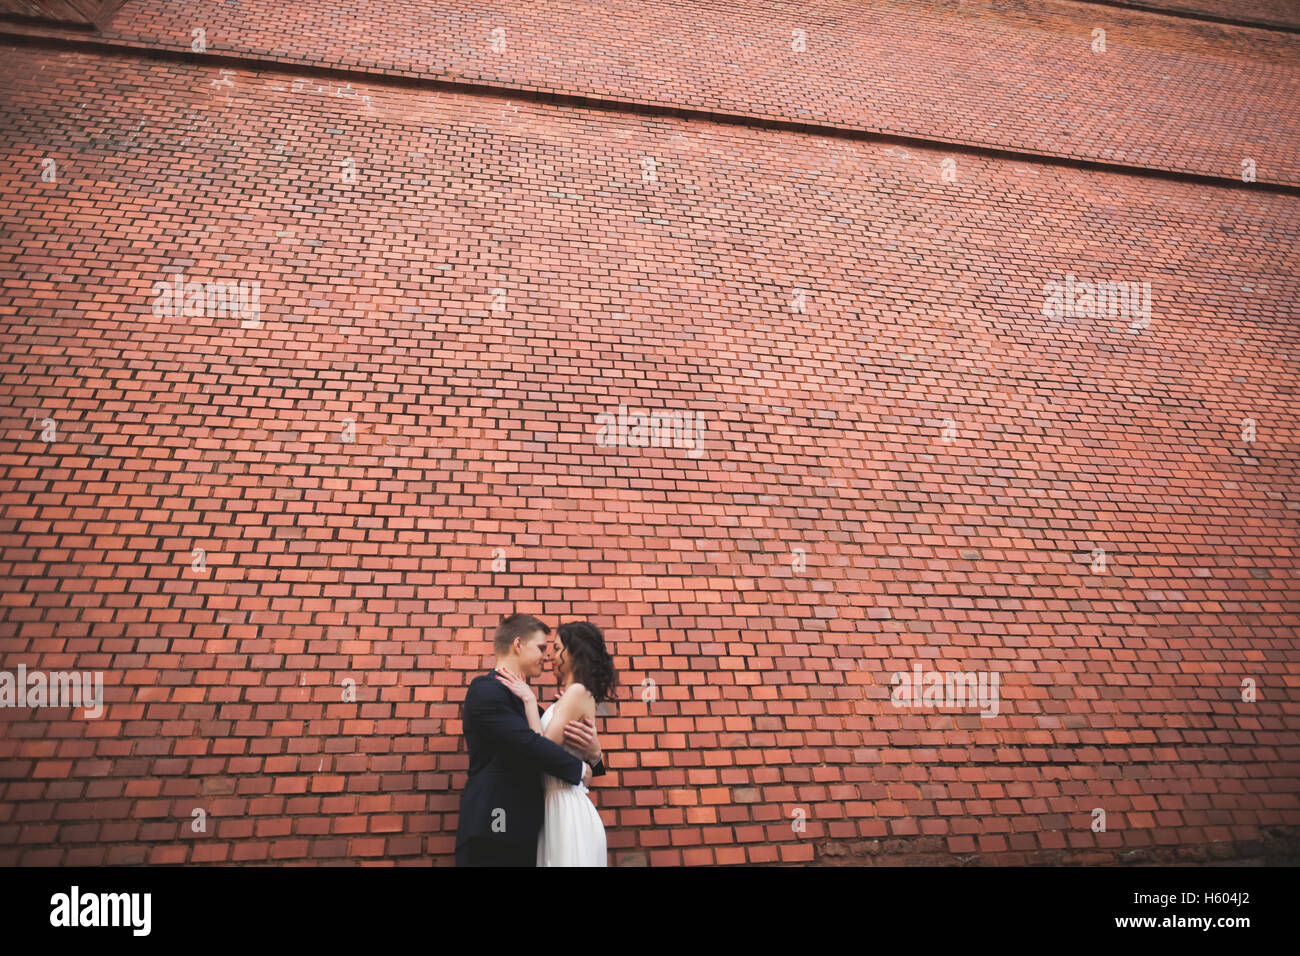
<point x="923" y="304"/>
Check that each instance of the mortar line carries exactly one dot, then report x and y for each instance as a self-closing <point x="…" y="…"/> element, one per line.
<point x="269" y="65"/>
<point x="1185" y="14"/>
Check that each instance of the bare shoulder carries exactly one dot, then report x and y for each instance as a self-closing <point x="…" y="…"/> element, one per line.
<point x="580" y="699"/>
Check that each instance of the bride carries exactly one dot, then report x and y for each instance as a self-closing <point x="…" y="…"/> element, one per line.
<point x="571" y="834"/>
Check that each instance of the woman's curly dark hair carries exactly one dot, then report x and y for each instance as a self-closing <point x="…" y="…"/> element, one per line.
<point x="590" y="664"/>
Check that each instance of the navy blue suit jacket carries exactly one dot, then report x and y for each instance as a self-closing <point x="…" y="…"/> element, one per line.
<point x="506" y="762"/>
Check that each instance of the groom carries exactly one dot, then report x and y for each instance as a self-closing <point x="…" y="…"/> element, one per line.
<point x="501" y="808"/>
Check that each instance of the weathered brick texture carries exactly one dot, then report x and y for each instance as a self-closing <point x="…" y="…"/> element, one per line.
<point x="1277" y="14"/>
<point x="905" y="461"/>
<point x="1166" y="94"/>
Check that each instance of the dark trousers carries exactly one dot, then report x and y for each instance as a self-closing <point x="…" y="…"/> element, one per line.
<point x="480" y="851"/>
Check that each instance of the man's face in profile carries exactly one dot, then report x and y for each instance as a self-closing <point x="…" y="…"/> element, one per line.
<point x="534" y="655"/>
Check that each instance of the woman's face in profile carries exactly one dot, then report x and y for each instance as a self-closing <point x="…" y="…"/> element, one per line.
<point x="561" y="663"/>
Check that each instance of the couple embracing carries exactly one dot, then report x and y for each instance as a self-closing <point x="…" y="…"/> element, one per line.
<point x="525" y="802"/>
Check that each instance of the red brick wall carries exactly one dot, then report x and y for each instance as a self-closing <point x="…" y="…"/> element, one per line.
<point x="1279" y="14"/>
<point x="475" y="429"/>
<point x="1167" y="93"/>
<point x="84" y="13"/>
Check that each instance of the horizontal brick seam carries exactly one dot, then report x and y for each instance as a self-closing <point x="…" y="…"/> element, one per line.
<point x="1182" y="13"/>
<point x="627" y="106"/>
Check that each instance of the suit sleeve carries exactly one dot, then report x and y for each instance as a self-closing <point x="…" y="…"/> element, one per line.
<point x="503" y="725"/>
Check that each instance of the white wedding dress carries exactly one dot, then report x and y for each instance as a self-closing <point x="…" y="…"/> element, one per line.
<point x="572" y="834"/>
